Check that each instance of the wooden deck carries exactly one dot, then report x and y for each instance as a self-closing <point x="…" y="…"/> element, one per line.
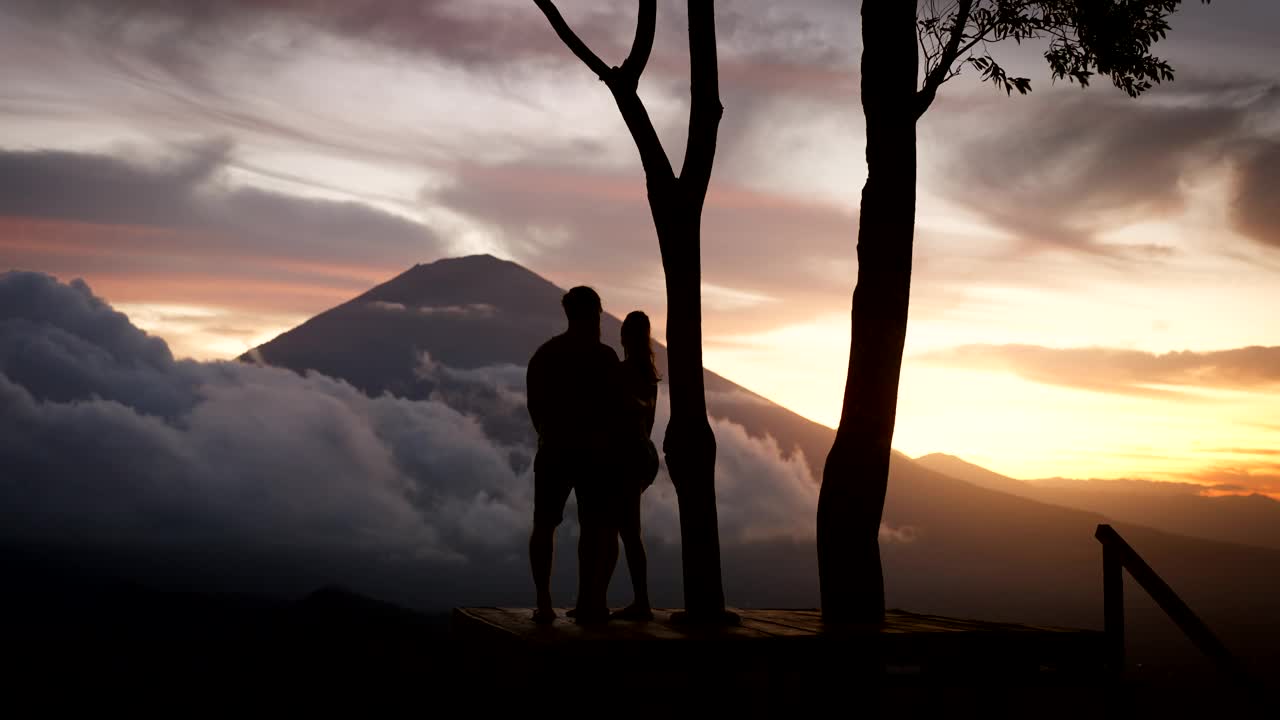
<point x="784" y="662"/>
<point x="907" y="642"/>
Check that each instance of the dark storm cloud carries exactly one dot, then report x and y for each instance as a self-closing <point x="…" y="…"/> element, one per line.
<point x="1050" y="174"/>
<point x="167" y="32"/>
<point x="763" y="43"/>
<point x="1256" y="210"/>
<point x="187" y="194"/>
<point x="104" y="438"/>
<point x="104" y="189"/>
<point x="1121" y="371"/>
<point x="1056" y="172"/>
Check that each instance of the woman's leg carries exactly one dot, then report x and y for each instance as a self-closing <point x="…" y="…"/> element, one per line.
<point x="637" y="561"/>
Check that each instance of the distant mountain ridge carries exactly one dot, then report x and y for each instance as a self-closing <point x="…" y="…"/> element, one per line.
<point x="1172" y="507"/>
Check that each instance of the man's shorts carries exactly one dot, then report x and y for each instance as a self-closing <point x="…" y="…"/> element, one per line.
<point x="557" y="472"/>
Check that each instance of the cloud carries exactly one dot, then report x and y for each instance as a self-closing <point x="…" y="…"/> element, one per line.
<point x="186" y="192"/>
<point x="179" y="33"/>
<point x="177" y="216"/>
<point x="1256" y="210"/>
<point x="509" y="85"/>
<point x="107" y="440"/>
<point x="106" y="436"/>
<point x="1234" y="479"/>
<point x="1121" y="371"/>
<point x="1132" y="486"/>
<point x="903" y="535"/>
<point x="784" y="505"/>
<point x="471" y="33"/>
<point x="1058" y="174"/>
<point x="472" y="309"/>
<point x="540" y="210"/>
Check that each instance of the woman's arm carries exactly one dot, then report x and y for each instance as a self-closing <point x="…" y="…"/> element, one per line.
<point x="650" y="407"/>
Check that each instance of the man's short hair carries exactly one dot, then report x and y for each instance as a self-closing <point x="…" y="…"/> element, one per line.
<point x="581" y="302"/>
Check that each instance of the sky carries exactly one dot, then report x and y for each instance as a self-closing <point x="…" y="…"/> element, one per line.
<point x="1096" y="278"/>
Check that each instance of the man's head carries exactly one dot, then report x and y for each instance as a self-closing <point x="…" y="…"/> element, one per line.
<point x="582" y="308"/>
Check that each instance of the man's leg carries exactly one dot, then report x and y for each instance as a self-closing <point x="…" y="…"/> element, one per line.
<point x="586" y="567"/>
<point x="551" y="488"/>
<point x="597" y="556"/>
<point x="541" y="549"/>
<point x="608" y="561"/>
<point x="597" y="550"/>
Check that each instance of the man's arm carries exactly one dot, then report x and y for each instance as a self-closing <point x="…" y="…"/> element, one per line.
<point x="533" y="382"/>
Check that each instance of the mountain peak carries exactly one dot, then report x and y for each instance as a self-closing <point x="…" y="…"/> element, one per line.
<point x="478" y="260"/>
<point x="470" y="280"/>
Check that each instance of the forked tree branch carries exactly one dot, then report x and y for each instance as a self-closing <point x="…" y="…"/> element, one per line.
<point x="705" y="109"/>
<point x="941" y="71"/>
<point x="571" y="39"/>
<point x="646" y="23"/>
<point x="622" y="82"/>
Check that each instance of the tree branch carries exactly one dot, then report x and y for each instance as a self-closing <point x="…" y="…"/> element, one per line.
<point x="980" y="36"/>
<point x="646" y="23"/>
<point x="572" y="41"/>
<point x="938" y="75"/>
<point x="705" y="109"/>
<point x="622" y="83"/>
<point x="657" y="167"/>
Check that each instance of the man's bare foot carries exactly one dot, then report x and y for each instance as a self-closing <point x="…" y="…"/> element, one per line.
<point x="544" y="616"/>
<point x="634" y="612"/>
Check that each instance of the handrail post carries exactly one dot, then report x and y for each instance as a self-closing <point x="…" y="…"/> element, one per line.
<point x="1113" y="607"/>
<point x="1117" y="557"/>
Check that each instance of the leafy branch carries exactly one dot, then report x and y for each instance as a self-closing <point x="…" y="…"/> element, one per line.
<point x="1112" y="38"/>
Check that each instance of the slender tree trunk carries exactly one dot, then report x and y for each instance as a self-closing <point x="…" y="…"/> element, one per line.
<point x="689" y="444"/>
<point x="856" y="474"/>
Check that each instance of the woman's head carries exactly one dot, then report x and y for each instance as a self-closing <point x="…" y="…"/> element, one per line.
<point x="635" y="332"/>
<point x="635" y="338"/>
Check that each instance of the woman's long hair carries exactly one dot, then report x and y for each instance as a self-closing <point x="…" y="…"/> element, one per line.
<point x="636" y="342"/>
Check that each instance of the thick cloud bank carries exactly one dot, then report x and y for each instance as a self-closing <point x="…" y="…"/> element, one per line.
<point x="105" y="439"/>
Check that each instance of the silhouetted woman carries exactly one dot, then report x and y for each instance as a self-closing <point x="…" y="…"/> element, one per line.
<point x="640" y="397"/>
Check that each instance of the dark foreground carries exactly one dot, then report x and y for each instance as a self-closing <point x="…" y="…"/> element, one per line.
<point x="124" y="647"/>
<point x="782" y="661"/>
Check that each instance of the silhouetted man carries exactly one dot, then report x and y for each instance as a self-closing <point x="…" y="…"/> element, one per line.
<point x="573" y="390"/>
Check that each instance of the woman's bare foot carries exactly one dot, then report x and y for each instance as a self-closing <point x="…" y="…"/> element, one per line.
<point x="544" y="616"/>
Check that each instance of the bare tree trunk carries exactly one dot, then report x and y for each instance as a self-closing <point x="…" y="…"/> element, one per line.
<point x="689" y="444"/>
<point x="676" y="203"/>
<point x="856" y="474"/>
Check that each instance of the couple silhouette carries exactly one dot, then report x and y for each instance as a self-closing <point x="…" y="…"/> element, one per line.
<point x="594" y="417"/>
